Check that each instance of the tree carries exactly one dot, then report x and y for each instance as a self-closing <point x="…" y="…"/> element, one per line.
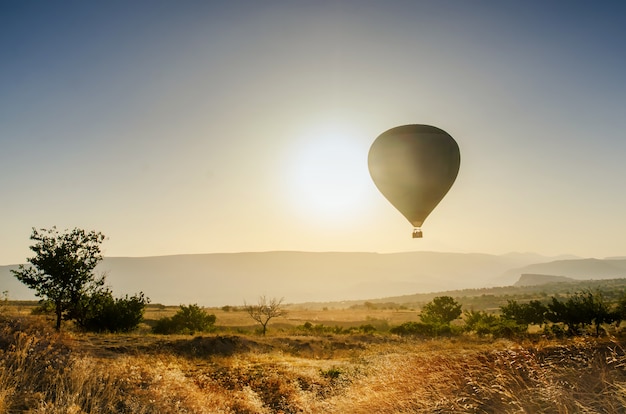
<point x="620" y="310"/>
<point x="62" y="269"/>
<point x="581" y="309"/>
<point x="601" y="311"/>
<point x="532" y="313"/>
<point x="265" y="310"/>
<point x="442" y="310"/>
<point x="188" y="320"/>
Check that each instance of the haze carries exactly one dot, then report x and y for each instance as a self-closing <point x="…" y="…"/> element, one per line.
<point x="199" y="127"/>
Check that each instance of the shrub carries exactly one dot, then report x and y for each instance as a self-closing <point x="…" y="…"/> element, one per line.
<point x="506" y="328"/>
<point x="413" y="328"/>
<point x="45" y="307"/>
<point x="555" y="331"/>
<point x="367" y="328"/>
<point x="332" y="373"/>
<point x="100" y="312"/>
<point x="321" y="329"/>
<point x="479" y="322"/>
<point x="188" y="320"/>
<point x="483" y="323"/>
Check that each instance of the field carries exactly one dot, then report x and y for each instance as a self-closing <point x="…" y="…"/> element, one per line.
<point x="235" y="370"/>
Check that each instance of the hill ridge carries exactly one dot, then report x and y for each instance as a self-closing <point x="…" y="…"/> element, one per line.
<point x="217" y="279"/>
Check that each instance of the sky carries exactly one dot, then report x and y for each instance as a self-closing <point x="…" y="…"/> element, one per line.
<point x="236" y="126"/>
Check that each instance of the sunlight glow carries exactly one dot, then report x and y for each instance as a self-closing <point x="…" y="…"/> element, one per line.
<point x="328" y="174"/>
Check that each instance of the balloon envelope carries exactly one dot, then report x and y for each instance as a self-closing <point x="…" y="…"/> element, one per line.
<point x="414" y="166"/>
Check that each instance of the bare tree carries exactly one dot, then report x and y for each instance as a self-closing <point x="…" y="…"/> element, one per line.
<point x="265" y="310"/>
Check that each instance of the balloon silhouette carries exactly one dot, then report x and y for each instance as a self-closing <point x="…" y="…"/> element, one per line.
<point x="414" y="166"/>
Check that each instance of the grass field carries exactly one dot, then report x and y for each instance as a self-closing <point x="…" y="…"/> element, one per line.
<point x="225" y="372"/>
<point x="237" y="320"/>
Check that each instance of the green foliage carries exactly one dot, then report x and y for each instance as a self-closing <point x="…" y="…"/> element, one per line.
<point x="367" y="328"/>
<point x="100" y="312"/>
<point x="480" y="322"/>
<point x="413" y="329"/>
<point x="45" y="307"/>
<point x="532" y="313"/>
<point x="506" y="328"/>
<point x="554" y="331"/>
<point x="582" y="309"/>
<point x="332" y="373"/>
<point x="620" y="308"/>
<point x="441" y="311"/>
<point x="436" y="317"/>
<point x="424" y="329"/>
<point x="483" y="323"/>
<point x="62" y="269"/>
<point x="578" y="311"/>
<point x="320" y="329"/>
<point x="188" y="320"/>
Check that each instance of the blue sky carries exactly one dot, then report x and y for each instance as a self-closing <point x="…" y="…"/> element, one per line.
<point x="197" y="127"/>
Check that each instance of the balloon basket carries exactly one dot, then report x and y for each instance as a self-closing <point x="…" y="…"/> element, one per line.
<point x="417" y="233"/>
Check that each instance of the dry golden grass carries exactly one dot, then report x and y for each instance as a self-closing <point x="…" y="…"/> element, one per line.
<point x="296" y="315"/>
<point x="45" y="372"/>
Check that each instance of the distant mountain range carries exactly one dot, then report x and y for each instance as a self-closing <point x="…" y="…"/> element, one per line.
<point x="232" y="278"/>
<point x="533" y="279"/>
<point x="579" y="269"/>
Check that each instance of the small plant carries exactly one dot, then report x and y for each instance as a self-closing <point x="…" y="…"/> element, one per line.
<point x="332" y="373"/>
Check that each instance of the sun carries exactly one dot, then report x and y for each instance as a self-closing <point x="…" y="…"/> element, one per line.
<point x="328" y="174"/>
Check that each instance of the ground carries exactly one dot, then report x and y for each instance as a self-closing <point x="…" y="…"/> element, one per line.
<point x="296" y="371"/>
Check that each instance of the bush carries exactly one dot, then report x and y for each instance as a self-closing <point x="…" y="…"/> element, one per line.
<point x="479" y="322"/>
<point x="100" y="312"/>
<point x="188" y="320"/>
<point x="45" y="307"/>
<point x="321" y="329"/>
<point x="413" y="328"/>
<point x="483" y="323"/>
<point x="555" y="331"/>
<point x="506" y="328"/>
<point x="367" y="328"/>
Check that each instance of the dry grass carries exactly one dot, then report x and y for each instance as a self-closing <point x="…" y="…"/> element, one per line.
<point x="45" y="372"/>
<point x="295" y="316"/>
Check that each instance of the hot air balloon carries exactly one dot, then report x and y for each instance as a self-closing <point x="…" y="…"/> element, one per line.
<point x="414" y="166"/>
